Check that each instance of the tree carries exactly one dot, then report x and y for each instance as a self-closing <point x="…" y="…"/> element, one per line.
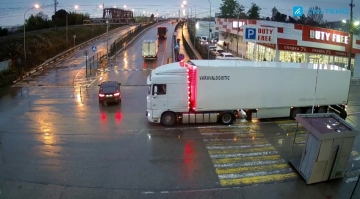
<point x="254" y="11"/>
<point x="3" y="31"/>
<point x="152" y="17"/>
<point x="302" y="19"/>
<point x="274" y="11"/>
<point x="230" y="8"/>
<point x="315" y="16"/>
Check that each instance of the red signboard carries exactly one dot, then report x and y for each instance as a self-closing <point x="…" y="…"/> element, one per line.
<point x="314" y="50"/>
<point x="326" y="36"/>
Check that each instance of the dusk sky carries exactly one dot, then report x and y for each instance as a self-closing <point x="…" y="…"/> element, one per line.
<point x="12" y="11"/>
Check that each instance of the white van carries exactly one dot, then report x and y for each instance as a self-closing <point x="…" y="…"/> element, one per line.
<point x="149" y="49"/>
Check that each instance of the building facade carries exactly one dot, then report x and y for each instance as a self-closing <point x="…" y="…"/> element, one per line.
<point x="295" y="43"/>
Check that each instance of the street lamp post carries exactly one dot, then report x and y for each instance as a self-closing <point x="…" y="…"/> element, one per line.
<point x="75" y="7"/>
<point x="209" y="29"/>
<point x="36" y="6"/>
<point x="351" y="35"/>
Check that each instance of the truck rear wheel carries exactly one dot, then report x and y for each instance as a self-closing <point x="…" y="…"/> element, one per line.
<point x="226" y="118"/>
<point x="322" y="109"/>
<point x="168" y="119"/>
<point x="294" y="112"/>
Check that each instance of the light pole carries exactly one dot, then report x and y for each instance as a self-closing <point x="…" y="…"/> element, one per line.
<point x="196" y="27"/>
<point x="36" y="6"/>
<point x="75" y="7"/>
<point x="209" y="29"/>
<point x="186" y="3"/>
<point x="352" y="24"/>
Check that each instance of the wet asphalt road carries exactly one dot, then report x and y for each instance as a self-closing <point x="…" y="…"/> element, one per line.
<point x="57" y="142"/>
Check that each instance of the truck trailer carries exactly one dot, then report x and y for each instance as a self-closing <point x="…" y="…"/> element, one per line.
<point x="149" y="49"/>
<point x="162" y="31"/>
<point x="210" y="91"/>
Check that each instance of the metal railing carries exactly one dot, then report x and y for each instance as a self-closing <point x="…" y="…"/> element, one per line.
<point x="187" y="47"/>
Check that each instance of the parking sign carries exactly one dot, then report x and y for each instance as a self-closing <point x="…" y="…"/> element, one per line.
<point x="250" y="33"/>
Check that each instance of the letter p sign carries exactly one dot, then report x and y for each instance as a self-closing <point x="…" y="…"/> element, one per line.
<point x="250" y="33"/>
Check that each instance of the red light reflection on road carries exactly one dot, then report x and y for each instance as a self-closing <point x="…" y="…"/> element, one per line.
<point x="118" y="116"/>
<point x="188" y="153"/>
<point x="103" y="117"/>
<point x="154" y="65"/>
<point x="144" y="65"/>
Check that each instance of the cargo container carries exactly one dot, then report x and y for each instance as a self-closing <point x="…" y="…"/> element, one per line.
<point x="207" y="91"/>
<point x="149" y="49"/>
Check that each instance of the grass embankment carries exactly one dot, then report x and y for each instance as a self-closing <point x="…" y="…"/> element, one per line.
<point x="41" y="46"/>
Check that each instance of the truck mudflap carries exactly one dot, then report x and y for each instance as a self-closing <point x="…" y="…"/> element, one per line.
<point x="340" y="110"/>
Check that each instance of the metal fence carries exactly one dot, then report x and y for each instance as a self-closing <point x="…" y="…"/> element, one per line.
<point x="124" y="40"/>
<point x="202" y="49"/>
<point x="5" y="65"/>
<point x="94" y="63"/>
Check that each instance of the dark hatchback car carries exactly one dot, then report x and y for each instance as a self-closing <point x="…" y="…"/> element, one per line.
<point x="109" y="92"/>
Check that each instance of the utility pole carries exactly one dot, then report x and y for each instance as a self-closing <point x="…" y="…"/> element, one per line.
<point x="351" y="34"/>
<point x="55" y="6"/>
<point x="238" y="30"/>
<point x="209" y="30"/>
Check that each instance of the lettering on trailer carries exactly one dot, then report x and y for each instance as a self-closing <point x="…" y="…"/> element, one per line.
<point x="328" y="36"/>
<point x="214" y="77"/>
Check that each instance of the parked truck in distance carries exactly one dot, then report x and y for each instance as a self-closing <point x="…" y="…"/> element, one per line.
<point x="149" y="49"/>
<point x="162" y="31"/>
<point x="210" y="91"/>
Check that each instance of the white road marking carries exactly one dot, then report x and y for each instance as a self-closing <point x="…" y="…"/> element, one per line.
<point x="252" y="174"/>
<point x="248" y="164"/>
<point x="237" y="155"/>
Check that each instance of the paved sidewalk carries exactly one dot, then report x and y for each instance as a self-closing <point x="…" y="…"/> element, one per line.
<point x="187" y="37"/>
<point x="182" y="48"/>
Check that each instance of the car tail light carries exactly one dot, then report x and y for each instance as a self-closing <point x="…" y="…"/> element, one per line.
<point x="101" y="95"/>
<point x="116" y="94"/>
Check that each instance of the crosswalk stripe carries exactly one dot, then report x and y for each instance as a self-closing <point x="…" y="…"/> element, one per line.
<point x="247" y="164"/>
<point x="213" y="152"/>
<point x="237" y="142"/>
<point x="248" y="159"/>
<point x="254" y="174"/>
<point x="258" y="179"/>
<point x="234" y="155"/>
<point x="223" y="171"/>
<point x="238" y="146"/>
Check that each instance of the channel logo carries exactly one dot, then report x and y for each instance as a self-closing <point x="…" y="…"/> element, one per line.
<point x="298" y="11"/>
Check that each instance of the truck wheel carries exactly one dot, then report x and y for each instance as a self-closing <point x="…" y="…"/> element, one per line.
<point x="168" y="119"/>
<point x="322" y="109"/>
<point x="226" y="118"/>
<point x="308" y="110"/>
<point x="294" y="112"/>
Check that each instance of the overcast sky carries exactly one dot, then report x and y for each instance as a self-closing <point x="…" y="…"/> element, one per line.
<point x="12" y="11"/>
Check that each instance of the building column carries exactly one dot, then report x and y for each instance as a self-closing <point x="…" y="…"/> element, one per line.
<point x="277" y="54"/>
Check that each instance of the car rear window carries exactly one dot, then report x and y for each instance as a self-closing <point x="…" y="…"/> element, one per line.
<point x="109" y="89"/>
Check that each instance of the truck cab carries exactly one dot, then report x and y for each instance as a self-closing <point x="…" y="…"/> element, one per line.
<point x="167" y="90"/>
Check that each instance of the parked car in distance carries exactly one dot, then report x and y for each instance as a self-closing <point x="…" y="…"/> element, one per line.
<point x="225" y="54"/>
<point x="212" y="47"/>
<point x="109" y="92"/>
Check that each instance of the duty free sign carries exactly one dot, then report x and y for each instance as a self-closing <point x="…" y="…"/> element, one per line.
<point x="260" y="34"/>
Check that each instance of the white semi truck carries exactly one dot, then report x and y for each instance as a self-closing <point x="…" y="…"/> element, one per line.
<point x="149" y="49"/>
<point x="210" y="91"/>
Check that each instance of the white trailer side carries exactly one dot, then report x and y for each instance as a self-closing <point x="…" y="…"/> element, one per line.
<point x="257" y="85"/>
